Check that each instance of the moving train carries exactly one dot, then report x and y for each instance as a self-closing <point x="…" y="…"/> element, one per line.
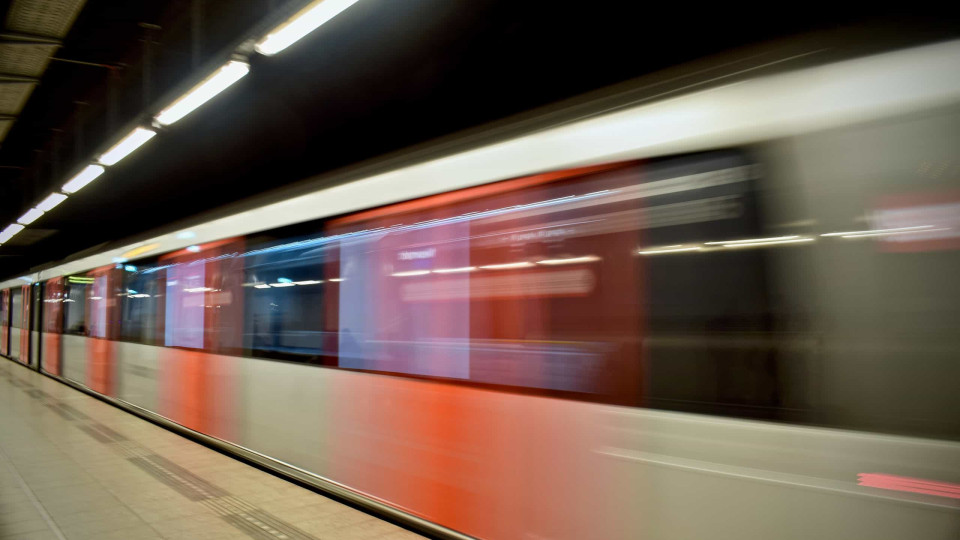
<point x="718" y="303"/>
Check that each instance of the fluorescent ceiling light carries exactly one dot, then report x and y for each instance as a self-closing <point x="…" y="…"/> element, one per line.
<point x="281" y="285"/>
<point x="336" y="279"/>
<point x="678" y="249"/>
<point x="752" y="241"/>
<point x="506" y="266"/>
<point x="31" y="216"/>
<point x="198" y="289"/>
<point x="262" y="286"/>
<point x="127" y="145"/>
<point x="874" y="232"/>
<point x="85" y="176"/>
<point x="217" y="82"/>
<point x="897" y="233"/>
<point x="305" y="21"/>
<point x="51" y="202"/>
<point x="570" y="260"/>
<point x="10" y="231"/>
<point x="769" y="243"/>
<point x="410" y="273"/>
<point x="454" y="270"/>
<point x="308" y="282"/>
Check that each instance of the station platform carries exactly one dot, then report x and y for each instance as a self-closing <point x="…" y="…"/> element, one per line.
<point x="73" y="467"/>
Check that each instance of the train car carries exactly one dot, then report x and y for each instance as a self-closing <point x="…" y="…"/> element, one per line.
<point x="17" y="333"/>
<point x="729" y="310"/>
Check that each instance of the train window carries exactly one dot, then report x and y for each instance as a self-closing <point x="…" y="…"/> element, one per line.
<point x="718" y="338"/>
<point x="285" y="293"/>
<point x="53" y="306"/>
<point x="527" y="283"/>
<point x="16" y="310"/>
<point x="888" y="301"/>
<point x="75" y="304"/>
<point x="202" y="295"/>
<point x="546" y="283"/>
<point x="141" y="301"/>
<point x="4" y="308"/>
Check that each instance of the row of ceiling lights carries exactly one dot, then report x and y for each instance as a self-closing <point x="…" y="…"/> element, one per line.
<point x="299" y="25"/>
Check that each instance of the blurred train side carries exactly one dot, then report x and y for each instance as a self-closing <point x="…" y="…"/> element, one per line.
<point x="715" y="318"/>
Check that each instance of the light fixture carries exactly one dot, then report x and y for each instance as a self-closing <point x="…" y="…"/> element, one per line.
<point x="137" y="138"/>
<point x="875" y="232"/>
<point x="10" y="231"/>
<point x="570" y="260"/>
<point x="51" y="201"/>
<point x="769" y="243"/>
<point x="679" y="248"/>
<point x="308" y="282"/>
<point x="337" y="279"/>
<point x="281" y="284"/>
<point x="261" y="286"/>
<point x="410" y="273"/>
<point x="753" y="241"/>
<point x="30" y="216"/>
<point x="84" y="177"/>
<point x="507" y="266"/>
<point x="454" y="270"/>
<point x="198" y="289"/>
<point x="217" y="82"/>
<point x="305" y="21"/>
<point x="924" y="230"/>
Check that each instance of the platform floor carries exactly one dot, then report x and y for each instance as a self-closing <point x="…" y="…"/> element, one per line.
<point x="73" y="467"/>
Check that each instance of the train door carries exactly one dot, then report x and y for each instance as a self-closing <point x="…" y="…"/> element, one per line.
<point x="16" y="319"/>
<point x="5" y="322"/>
<point x="34" y="315"/>
<point x="52" y="313"/>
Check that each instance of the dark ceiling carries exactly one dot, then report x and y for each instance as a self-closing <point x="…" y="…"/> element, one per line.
<point x="384" y="75"/>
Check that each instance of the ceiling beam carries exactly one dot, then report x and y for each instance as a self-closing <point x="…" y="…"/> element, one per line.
<point x="6" y="78"/>
<point x="16" y="38"/>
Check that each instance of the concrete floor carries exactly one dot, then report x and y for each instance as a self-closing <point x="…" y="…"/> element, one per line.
<point x="73" y="467"/>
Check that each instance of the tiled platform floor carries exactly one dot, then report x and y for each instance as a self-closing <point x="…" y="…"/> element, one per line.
<point x="73" y="467"/>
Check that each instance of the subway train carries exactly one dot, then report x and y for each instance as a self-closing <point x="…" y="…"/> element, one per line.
<point x="714" y="303"/>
